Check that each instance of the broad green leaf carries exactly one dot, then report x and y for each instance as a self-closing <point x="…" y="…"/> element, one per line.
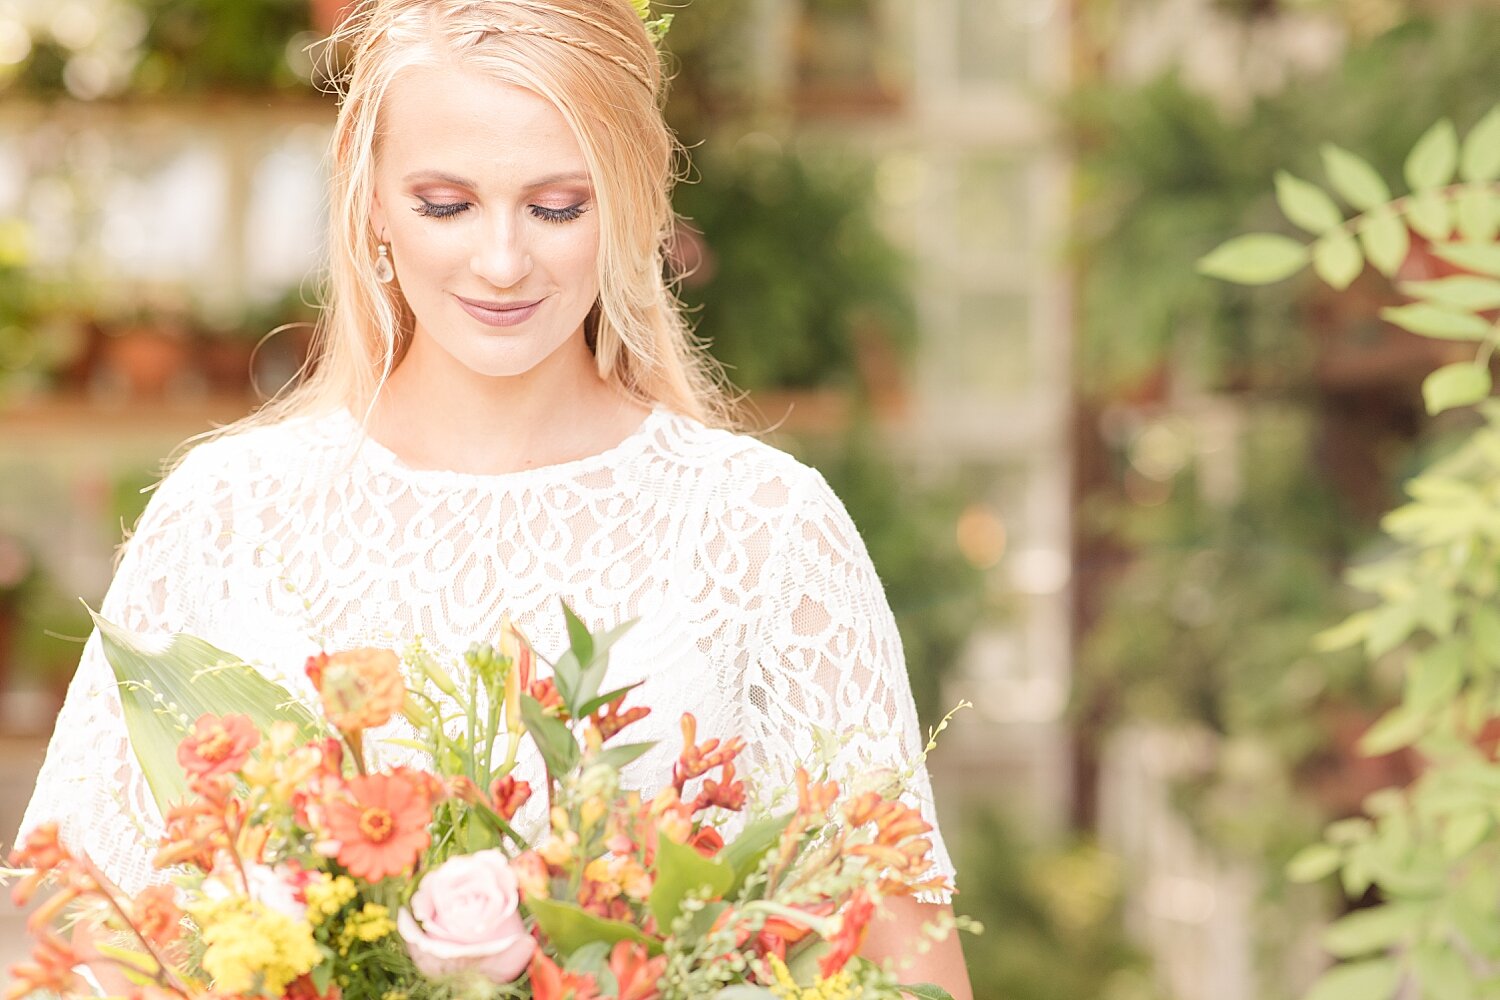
<point x="1436" y="321"/>
<point x="1307" y="205"/>
<point x="1398" y="728"/>
<point x="681" y="870"/>
<point x="1354" y="179"/>
<point x="1337" y="259"/>
<point x="1434" y="158"/>
<point x="163" y="692"/>
<point x="1460" y="291"/>
<point x="1375" y="979"/>
<point x="1255" y="259"/>
<point x="1386" y="240"/>
<point x="1482" y="258"/>
<point x="579" y="637"/>
<point x="1314" y="862"/>
<point x="1478" y="213"/>
<point x="1389" y="627"/>
<point x="1430" y="214"/>
<point x="926" y="991"/>
<point x="1464" y="832"/>
<point x="1369" y="930"/>
<point x="1434" y="677"/>
<point x="570" y="927"/>
<point x="1481" y="153"/>
<point x="558" y="747"/>
<point x="1461" y="384"/>
<point x="755" y="841"/>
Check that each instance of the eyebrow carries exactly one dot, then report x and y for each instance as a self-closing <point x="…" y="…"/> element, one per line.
<point x="439" y="175"/>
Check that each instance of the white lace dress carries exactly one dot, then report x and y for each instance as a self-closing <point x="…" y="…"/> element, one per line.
<point x="759" y="610"/>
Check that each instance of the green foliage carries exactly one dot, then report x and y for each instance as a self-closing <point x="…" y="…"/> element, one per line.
<point x="798" y="273"/>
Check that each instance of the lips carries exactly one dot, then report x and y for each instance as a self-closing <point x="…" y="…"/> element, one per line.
<point x="500" y="313"/>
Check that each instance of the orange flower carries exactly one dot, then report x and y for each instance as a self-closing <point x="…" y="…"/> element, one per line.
<point x="508" y="795"/>
<point x="609" y="720"/>
<point x="156" y="916"/>
<point x="546" y="693"/>
<point x="707" y="841"/>
<point x="636" y="974"/>
<point x="854" y="924"/>
<point x="697" y="759"/>
<point x="548" y="982"/>
<point x="361" y="688"/>
<point x="302" y="988"/>
<point x="217" y="745"/>
<point x="43" y="851"/>
<point x="50" y="969"/>
<point x="380" y="823"/>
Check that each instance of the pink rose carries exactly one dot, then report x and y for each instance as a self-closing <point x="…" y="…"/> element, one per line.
<point x="465" y="915"/>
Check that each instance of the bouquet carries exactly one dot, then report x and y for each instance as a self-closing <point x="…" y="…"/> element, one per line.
<point x="298" y="869"/>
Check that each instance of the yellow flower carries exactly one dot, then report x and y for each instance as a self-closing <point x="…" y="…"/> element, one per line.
<point x="245" y="942"/>
<point x="369" y="924"/>
<point x="328" y="896"/>
<point x="838" y="987"/>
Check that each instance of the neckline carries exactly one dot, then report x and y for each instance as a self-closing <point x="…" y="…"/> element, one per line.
<point x="389" y="462"/>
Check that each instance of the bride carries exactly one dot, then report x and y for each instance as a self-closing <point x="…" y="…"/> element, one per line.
<point x="506" y="409"/>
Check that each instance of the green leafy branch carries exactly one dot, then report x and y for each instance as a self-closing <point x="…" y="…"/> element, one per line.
<point x="1455" y="190"/>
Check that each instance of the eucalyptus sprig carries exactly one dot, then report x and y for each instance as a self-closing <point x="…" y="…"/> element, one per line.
<point x="1453" y="203"/>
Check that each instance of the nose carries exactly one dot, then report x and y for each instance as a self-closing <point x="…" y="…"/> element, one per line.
<point x="503" y="258"/>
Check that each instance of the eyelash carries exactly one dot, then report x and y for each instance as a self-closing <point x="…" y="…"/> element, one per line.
<point x="435" y="211"/>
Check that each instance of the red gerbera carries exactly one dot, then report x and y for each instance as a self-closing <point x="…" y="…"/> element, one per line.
<point x="217" y="745"/>
<point x="380" y="823"/>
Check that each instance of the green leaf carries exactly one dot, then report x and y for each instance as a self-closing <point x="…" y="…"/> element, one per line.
<point x="593" y="959"/>
<point x="579" y="637"/>
<point x="1434" y="676"/>
<point x="1349" y="632"/>
<point x="164" y="692"/>
<point x="618" y="757"/>
<point x="1386" y="240"/>
<point x="1369" y="930"/>
<point x="1375" y="979"/>
<point x="1314" y="862"/>
<point x="1255" y="259"/>
<point x="555" y="741"/>
<point x="680" y="870"/>
<point x="926" y="991"/>
<point x="1431" y="215"/>
<point x="1434" y="158"/>
<point x="1436" y="321"/>
<point x="1482" y="258"/>
<point x="599" y="701"/>
<point x="1460" y="292"/>
<point x="570" y="927"/>
<point x="1354" y="179"/>
<point x="1400" y="727"/>
<point x="1464" y="832"/>
<point x="1443" y="973"/>
<point x="1337" y="259"/>
<point x="755" y="841"/>
<point x="1461" y="384"/>
<point x="1481" y="154"/>
<point x="1478" y="214"/>
<point x="1306" y="204"/>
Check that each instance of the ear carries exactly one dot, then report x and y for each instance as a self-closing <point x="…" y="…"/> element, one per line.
<point x="377" y="217"/>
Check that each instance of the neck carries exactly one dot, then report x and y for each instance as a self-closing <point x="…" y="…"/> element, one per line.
<point x="434" y="413"/>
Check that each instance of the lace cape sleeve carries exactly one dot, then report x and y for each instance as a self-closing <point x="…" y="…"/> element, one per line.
<point x="90" y="782"/>
<point x="830" y="658"/>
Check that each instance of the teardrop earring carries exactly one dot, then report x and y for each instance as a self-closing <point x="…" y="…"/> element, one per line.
<point x="384" y="273"/>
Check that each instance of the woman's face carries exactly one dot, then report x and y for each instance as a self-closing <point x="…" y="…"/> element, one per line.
<point x="483" y="193"/>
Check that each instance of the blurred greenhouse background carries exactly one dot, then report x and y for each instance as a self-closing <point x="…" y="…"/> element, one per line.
<point x="949" y="249"/>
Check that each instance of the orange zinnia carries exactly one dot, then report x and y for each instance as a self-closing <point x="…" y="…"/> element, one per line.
<point x="217" y="745"/>
<point x="361" y="688"/>
<point x="381" y="823"/>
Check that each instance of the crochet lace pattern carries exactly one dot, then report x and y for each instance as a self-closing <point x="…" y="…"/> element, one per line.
<point x="759" y="609"/>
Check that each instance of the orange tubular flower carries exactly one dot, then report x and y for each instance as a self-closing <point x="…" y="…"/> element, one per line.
<point x="217" y="745"/>
<point x="853" y="927"/>
<point x="50" y="970"/>
<point x="380" y="824"/>
<point x="697" y="759"/>
<point x="636" y="974"/>
<point x="155" y="914"/>
<point x="508" y="795"/>
<point x="361" y="688"/>
<point x="44" y="852"/>
<point x="610" y="720"/>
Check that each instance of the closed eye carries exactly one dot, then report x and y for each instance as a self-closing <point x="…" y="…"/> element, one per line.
<point x="435" y="210"/>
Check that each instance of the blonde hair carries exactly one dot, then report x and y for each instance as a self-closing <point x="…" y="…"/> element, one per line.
<point x="596" y="62"/>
